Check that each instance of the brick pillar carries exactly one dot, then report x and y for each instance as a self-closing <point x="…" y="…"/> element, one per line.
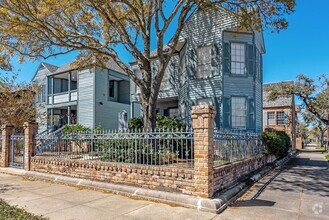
<point x="30" y="130"/>
<point x="203" y="126"/>
<point x="7" y="131"/>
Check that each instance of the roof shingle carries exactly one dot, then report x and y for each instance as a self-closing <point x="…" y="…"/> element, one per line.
<point x="279" y="102"/>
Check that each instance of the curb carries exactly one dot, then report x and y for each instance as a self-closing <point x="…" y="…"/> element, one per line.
<point x="202" y="204"/>
<point x="215" y="205"/>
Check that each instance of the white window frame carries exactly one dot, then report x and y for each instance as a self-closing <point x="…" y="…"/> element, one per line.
<point x="238" y="59"/>
<point x="271" y="118"/>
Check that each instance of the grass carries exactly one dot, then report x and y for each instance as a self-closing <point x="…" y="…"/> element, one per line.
<point x="15" y="213"/>
<point x="327" y="157"/>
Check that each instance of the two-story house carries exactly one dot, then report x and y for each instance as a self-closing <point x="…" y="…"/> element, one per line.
<point x="90" y="97"/>
<point x="281" y="114"/>
<point x="215" y="63"/>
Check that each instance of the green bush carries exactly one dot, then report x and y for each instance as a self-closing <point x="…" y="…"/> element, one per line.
<point x="276" y="143"/>
<point x="69" y="129"/>
<point x="162" y="123"/>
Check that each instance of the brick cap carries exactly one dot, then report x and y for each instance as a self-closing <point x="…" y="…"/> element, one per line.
<point x="30" y="124"/>
<point x="6" y="126"/>
<point x="203" y="109"/>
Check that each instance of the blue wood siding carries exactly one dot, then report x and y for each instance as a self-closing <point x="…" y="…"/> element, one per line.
<point x="106" y="111"/>
<point x="41" y="79"/>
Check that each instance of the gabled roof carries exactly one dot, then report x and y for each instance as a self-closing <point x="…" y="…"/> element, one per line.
<point x="280" y="102"/>
<point x="49" y="67"/>
<point x="70" y="66"/>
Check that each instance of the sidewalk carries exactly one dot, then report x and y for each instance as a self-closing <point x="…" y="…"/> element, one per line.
<point x="299" y="191"/>
<point x="64" y="202"/>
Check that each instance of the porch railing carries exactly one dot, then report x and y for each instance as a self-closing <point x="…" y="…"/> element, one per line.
<point x="232" y="147"/>
<point x="164" y="148"/>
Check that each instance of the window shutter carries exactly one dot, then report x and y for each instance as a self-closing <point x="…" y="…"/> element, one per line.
<point x="251" y="60"/>
<point x="227" y="58"/>
<point x="166" y="112"/>
<point x="193" y="63"/>
<point x="261" y="67"/>
<point x="265" y="122"/>
<point x="227" y="113"/>
<point x="251" y="114"/>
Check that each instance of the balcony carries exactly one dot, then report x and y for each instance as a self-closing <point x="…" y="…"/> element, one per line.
<point x="63" y="97"/>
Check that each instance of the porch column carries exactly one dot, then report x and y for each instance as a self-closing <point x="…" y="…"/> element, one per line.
<point x="51" y="117"/>
<point x="68" y="115"/>
<point x="52" y="90"/>
<point x="30" y="130"/>
<point x="203" y="120"/>
<point x="7" y="131"/>
<point x="69" y="85"/>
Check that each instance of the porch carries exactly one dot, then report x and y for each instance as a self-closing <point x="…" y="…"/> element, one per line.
<point x="61" y="116"/>
<point x="62" y="88"/>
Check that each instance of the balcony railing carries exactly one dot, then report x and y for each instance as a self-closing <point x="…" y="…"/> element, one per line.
<point x="63" y="97"/>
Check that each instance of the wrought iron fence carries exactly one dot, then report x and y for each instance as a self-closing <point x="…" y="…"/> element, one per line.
<point x="231" y="147"/>
<point x="165" y="148"/>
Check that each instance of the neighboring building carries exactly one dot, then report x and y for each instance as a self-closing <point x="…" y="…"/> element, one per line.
<point x="216" y="64"/>
<point x="280" y="114"/>
<point x="90" y="97"/>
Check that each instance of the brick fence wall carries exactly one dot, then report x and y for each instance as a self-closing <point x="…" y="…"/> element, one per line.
<point x="152" y="177"/>
<point x="226" y="175"/>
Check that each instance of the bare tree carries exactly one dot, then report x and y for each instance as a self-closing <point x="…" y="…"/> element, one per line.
<point x="17" y="101"/>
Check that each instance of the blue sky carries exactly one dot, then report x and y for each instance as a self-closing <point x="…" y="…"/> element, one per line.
<point x="302" y="48"/>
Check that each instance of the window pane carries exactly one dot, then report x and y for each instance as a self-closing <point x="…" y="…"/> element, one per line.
<point x="280" y="118"/>
<point x="239" y="112"/>
<point x="238" y="58"/>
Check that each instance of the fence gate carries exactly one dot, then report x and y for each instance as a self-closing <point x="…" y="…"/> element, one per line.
<point x="16" y="151"/>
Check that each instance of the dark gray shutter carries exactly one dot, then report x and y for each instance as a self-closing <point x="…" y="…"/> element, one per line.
<point x="251" y="59"/>
<point x="261" y="67"/>
<point x="227" y="58"/>
<point x="251" y="114"/>
<point x="227" y="113"/>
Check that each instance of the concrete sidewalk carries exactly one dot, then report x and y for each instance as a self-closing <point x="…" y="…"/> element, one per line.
<point x="65" y="202"/>
<point x="298" y="191"/>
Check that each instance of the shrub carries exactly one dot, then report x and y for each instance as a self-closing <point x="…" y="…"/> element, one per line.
<point x="69" y="129"/>
<point x="162" y="122"/>
<point x="276" y="143"/>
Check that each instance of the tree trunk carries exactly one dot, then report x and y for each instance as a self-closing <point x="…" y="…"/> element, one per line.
<point x="149" y="114"/>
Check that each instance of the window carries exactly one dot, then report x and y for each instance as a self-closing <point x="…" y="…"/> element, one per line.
<point x="271" y="118"/>
<point x="111" y="88"/>
<point x="280" y="118"/>
<point x="239" y="112"/>
<point x="204" y="62"/>
<point x="238" y="59"/>
<point x="173" y="112"/>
